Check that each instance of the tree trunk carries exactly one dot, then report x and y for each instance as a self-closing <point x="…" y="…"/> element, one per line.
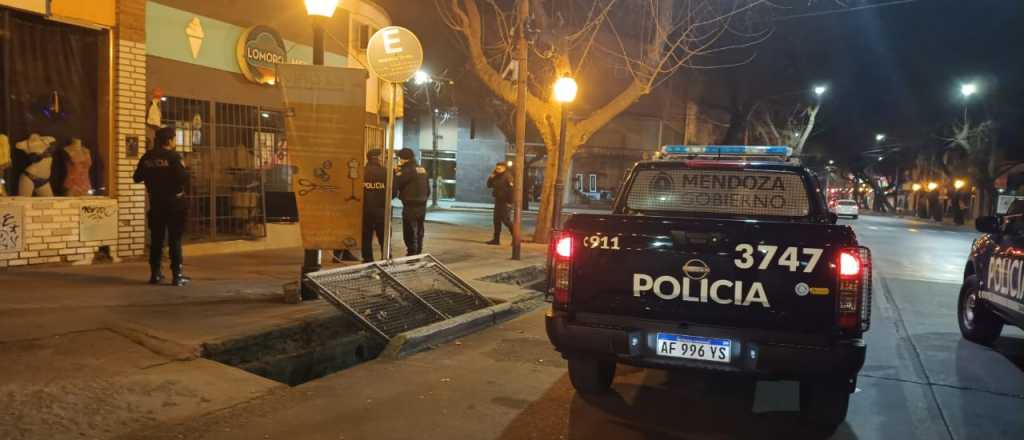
<point x="542" y="233"/>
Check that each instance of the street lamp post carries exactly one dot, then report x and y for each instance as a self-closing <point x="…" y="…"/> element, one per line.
<point x="319" y="11"/>
<point x="565" y="93"/>
<point x="423" y="79"/>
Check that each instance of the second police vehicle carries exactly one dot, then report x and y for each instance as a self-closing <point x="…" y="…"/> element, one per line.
<point x="993" y="289"/>
<point x="715" y="258"/>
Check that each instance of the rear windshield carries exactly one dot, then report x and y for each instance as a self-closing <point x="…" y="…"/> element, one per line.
<point x="847" y="203"/>
<point x="756" y="193"/>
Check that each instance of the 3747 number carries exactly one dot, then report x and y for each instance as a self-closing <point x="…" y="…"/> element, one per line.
<point x="790" y="257"/>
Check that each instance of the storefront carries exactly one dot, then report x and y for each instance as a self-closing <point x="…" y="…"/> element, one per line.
<point x="60" y="200"/>
<point x="82" y="81"/>
<point x="210" y="74"/>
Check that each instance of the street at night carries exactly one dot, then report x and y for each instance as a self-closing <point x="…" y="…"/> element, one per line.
<point x="511" y="219"/>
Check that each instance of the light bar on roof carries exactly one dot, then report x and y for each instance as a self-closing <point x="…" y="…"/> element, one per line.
<point x="726" y="150"/>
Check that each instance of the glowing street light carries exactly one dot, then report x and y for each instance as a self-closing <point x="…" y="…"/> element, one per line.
<point x="959" y="184"/>
<point x="968" y="89"/>
<point x="820" y="90"/>
<point x="321" y="8"/>
<point x="880" y="137"/>
<point x="565" y="93"/>
<point x="565" y="90"/>
<point x="932" y="186"/>
<point x="915" y="187"/>
<point x="421" y="78"/>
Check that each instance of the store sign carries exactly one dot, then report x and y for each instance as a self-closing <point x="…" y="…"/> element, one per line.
<point x="260" y="50"/>
<point x="325" y="134"/>
<point x="12" y="228"/>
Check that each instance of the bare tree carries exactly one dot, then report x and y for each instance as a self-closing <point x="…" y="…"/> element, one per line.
<point x="770" y="126"/>
<point x="973" y="151"/>
<point x="650" y="40"/>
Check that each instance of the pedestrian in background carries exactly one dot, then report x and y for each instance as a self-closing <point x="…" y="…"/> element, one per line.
<point x="412" y="189"/>
<point x="500" y="182"/>
<point x="163" y="172"/>
<point x="374" y="197"/>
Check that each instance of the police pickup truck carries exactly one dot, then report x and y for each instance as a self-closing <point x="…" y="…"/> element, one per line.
<point x="993" y="289"/>
<point x="715" y="258"/>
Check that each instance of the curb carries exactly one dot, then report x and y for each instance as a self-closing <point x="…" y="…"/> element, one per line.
<point x="415" y="341"/>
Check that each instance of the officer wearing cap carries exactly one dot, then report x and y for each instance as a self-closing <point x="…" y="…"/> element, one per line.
<point x="164" y="174"/>
<point x="374" y="197"/>
<point x="412" y="189"/>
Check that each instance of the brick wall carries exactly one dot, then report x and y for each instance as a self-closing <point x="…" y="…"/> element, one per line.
<point x="130" y="99"/>
<point x="51" y="231"/>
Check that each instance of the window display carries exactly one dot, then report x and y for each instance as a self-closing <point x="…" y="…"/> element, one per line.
<point x="35" y="178"/>
<point x="5" y="162"/>
<point x="78" y="163"/>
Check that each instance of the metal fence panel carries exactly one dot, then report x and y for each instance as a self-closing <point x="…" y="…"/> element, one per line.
<point x="396" y="297"/>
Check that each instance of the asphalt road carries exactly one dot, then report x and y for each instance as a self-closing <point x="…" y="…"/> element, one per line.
<point x="921" y="380"/>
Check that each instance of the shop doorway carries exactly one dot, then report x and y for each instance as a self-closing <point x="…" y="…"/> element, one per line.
<point x="446" y="165"/>
<point x="234" y="153"/>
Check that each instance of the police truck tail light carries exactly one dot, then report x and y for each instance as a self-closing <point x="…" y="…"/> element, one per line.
<point x="561" y="266"/>
<point x="854" y="293"/>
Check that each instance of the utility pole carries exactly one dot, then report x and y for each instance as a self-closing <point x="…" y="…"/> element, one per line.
<point x="520" y="171"/>
<point x="437" y="159"/>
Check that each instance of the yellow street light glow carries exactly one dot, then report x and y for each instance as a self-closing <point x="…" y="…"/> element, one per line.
<point x="916" y="187"/>
<point x="565" y="90"/>
<point x="958" y="184"/>
<point x="321" y="8"/>
<point x="932" y="186"/>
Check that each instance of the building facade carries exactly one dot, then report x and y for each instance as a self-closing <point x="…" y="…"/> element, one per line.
<point x="105" y="73"/>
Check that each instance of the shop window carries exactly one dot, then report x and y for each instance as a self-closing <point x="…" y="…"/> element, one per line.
<point x="52" y="87"/>
<point x="235" y="154"/>
<point x="593" y="183"/>
<point x="446" y="167"/>
<point x="578" y="183"/>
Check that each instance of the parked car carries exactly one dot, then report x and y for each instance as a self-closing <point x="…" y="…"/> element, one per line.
<point x="993" y="290"/>
<point x="720" y="262"/>
<point x="848" y="208"/>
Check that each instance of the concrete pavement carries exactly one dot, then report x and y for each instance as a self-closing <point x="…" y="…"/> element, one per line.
<point x="93" y="352"/>
<point x="921" y="380"/>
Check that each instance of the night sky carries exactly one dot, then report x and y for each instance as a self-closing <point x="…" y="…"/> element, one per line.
<point x="894" y="67"/>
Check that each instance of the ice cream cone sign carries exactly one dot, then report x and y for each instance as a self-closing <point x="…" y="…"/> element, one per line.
<point x="195" y="33"/>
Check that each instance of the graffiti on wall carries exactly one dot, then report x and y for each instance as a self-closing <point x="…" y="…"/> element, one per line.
<point x="98" y="222"/>
<point x="12" y="229"/>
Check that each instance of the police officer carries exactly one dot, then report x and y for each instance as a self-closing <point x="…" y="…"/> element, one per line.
<point x="164" y="174"/>
<point x="500" y="183"/>
<point x="412" y="189"/>
<point x="374" y="197"/>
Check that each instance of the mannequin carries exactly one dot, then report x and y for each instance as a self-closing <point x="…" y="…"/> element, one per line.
<point x="35" y="179"/>
<point x="79" y="162"/>
<point x="5" y="161"/>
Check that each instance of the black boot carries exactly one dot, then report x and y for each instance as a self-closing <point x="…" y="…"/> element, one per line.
<point x="180" y="280"/>
<point x="495" y="241"/>
<point x="155" y="276"/>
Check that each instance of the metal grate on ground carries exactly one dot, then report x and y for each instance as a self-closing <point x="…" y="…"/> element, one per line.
<point x="392" y="298"/>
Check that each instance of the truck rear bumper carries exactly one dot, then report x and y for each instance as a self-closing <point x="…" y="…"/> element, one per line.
<point x="636" y="345"/>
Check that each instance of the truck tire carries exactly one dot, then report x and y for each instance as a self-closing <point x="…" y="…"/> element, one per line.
<point x="591" y="376"/>
<point x="824" y="402"/>
<point x="978" y="323"/>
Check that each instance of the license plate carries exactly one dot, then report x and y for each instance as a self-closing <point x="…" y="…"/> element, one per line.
<point x="694" y="347"/>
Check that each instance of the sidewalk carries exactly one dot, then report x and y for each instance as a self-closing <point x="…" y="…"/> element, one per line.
<point x="93" y="351"/>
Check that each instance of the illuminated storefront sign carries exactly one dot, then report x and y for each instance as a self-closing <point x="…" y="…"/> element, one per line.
<point x="260" y="50"/>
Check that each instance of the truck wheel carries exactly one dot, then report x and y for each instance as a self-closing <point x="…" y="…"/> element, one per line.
<point x="977" y="322"/>
<point x="823" y="403"/>
<point x="591" y="376"/>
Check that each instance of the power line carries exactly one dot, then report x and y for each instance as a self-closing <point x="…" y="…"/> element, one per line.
<point x="840" y="11"/>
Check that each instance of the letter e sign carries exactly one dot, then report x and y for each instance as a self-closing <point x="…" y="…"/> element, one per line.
<point x="394" y="54"/>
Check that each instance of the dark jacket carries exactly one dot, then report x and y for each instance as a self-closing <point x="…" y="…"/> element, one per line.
<point x="374" y="192"/>
<point x="411" y="184"/>
<point x="501" y="185"/>
<point x="164" y="174"/>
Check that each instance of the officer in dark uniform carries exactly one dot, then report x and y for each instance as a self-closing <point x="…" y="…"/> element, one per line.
<point x="164" y="174"/>
<point x="500" y="183"/>
<point x="374" y="197"/>
<point x="412" y="189"/>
